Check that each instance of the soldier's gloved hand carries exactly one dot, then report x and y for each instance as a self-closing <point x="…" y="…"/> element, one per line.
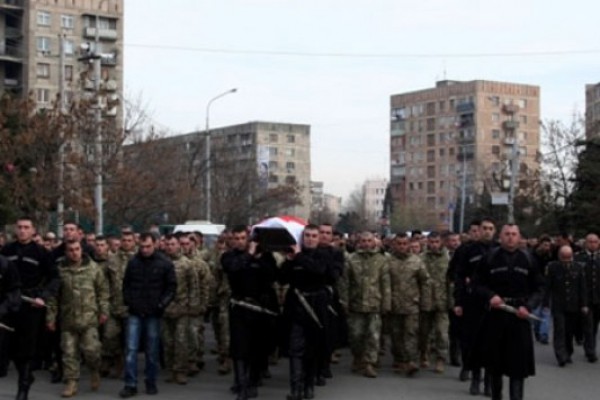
<point x="522" y="312"/>
<point x="496" y="301"/>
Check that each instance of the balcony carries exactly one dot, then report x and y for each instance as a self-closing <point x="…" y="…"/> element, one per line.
<point x="109" y="59"/>
<point x="11" y="5"/>
<point x="12" y="83"/>
<point x="104" y="34"/>
<point x="510" y="108"/>
<point x="12" y="33"/>
<point x="466" y="120"/>
<point x="465" y="107"/>
<point x="11" y="53"/>
<point x="510" y="125"/>
<point x="397" y="128"/>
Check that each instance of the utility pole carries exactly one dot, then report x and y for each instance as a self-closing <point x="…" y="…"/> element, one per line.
<point x="60" y="206"/>
<point x="514" y="161"/>
<point x="463" y="189"/>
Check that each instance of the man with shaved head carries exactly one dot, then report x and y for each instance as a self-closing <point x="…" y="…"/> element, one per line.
<point x="508" y="276"/>
<point x="566" y="296"/>
<point x="590" y="258"/>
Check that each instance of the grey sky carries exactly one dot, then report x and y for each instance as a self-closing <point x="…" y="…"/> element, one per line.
<point x="346" y="98"/>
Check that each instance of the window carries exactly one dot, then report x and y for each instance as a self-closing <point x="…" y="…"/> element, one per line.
<point x="420" y="185"/>
<point x="523" y="119"/>
<point x="442" y="106"/>
<point x="496" y="150"/>
<point x="290" y="179"/>
<point x="107" y="23"/>
<point x="290" y="166"/>
<point x="291" y="139"/>
<point x="495" y="100"/>
<point x="273" y="151"/>
<point x="430" y="107"/>
<point x="431" y="202"/>
<point x="43" y="44"/>
<point x="451" y="151"/>
<point x="273" y="138"/>
<point x="495" y="133"/>
<point x="522" y="104"/>
<point x="420" y="125"/>
<point x="273" y="179"/>
<point x="273" y="165"/>
<point x="522" y="136"/>
<point x="431" y="140"/>
<point x="523" y="151"/>
<point x="43" y="96"/>
<point x="430" y="187"/>
<point x="495" y="117"/>
<point x="43" y="70"/>
<point x="431" y="156"/>
<point x="290" y="152"/>
<point x="430" y="124"/>
<point x="69" y="47"/>
<point x="442" y="138"/>
<point x="43" y="18"/>
<point x="431" y="172"/>
<point x="442" y="153"/>
<point x="67" y="21"/>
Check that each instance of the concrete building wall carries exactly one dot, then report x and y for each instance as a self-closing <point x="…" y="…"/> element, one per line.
<point x="592" y="110"/>
<point x="374" y="196"/>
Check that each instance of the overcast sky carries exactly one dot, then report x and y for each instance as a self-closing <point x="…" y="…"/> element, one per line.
<point x="333" y="64"/>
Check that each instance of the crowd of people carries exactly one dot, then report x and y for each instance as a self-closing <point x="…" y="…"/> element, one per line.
<point x="476" y="300"/>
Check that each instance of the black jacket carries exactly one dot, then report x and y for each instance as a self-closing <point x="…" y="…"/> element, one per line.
<point x="10" y="293"/>
<point x="464" y="265"/>
<point x="149" y="285"/>
<point x="39" y="275"/>
<point x="591" y="273"/>
<point x="565" y="287"/>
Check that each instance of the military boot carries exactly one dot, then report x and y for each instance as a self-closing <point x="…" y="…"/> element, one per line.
<point x="95" y="380"/>
<point x="370" y="371"/>
<point x="516" y="388"/>
<point x="70" y="389"/>
<point x="224" y="366"/>
<point x="193" y="369"/>
<point x="412" y="369"/>
<point x="496" y="386"/>
<point x="440" y="365"/>
<point x="487" y="384"/>
<point x="356" y="364"/>
<point x="296" y="381"/>
<point x="399" y="368"/>
<point x="424" y="362"/>
<point x="475" y="382"/>
<point x="180" y="378"/>
<point x="25" y="379"/>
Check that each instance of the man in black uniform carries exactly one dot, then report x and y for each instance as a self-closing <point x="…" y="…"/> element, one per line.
<point x="508" y="276"/>
<point x="566" y="295"/>
<point x="469" y="307"/>
<point x="307" y="270"/>
<point x="40" y="281"/>
<point x="10" y="301"/>
<point x="253" y="307"/>
<point x="590" y="258"/>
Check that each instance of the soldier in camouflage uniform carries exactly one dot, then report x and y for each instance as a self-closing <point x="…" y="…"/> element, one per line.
<point x="175" y="327"/>
<point x="196" y="325"/>
<point x="411" y="294"/>
<point x="433" y="335"/>
<point x="114" y="330"/>
<point x="365" y="293"/>
<point x="83" y="305"/>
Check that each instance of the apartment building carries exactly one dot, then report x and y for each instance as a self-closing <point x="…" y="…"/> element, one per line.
<point x="374" y="198"/>
<point x="460" y="127"/>
<point x="592" y="110"/>
<point x="31" y="34"/>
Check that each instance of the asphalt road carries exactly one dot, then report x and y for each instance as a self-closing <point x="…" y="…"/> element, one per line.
<point x="580" y="380"/>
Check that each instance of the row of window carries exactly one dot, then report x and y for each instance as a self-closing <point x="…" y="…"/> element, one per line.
<point x="44" y="18"/>
<point x="274" y="138"/>
<point x="451" y="122"/>
<point x="43" y="71"/>
<point x="433" y="107"/>
<point x="403" y="157"/>
<point x="289" y="180"/>
<point x="289" y="166"/>
<point x="444" y="138"/>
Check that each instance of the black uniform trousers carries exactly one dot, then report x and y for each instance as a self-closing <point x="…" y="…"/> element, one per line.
<point x="591" y="321"/>
<point x="565" y="324"/>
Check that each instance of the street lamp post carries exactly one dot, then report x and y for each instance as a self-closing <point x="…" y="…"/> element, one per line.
<point x="207" y="131"/>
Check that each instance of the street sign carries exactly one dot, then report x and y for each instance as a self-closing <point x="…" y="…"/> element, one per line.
<point x="500" y="199"/>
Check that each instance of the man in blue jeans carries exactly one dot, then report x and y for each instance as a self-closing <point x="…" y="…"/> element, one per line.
<point x="149" y="286"/>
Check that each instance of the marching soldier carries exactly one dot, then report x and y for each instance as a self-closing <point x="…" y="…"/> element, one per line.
<point x="590" y="258"/>
<point x="411" y="294"/>
<point x="508" y="276"/>
<point x="566" y="295"/>
<point x="435" y="322"/>
<point x="365" y="292"/>
<point x="114" y="330"/>
<point x="82" y="283"/>
<point x="307" y="270"/>
<point x="175" y="327"/>
<point x="40" y="281"/>
<point x="251" y="273"/>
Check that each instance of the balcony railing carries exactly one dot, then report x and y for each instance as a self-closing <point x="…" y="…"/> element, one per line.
<point x="465" y="107"/>
<point x="511" y="125"/>
<point x="106" y="34"/>
<point x="11" y="4"/>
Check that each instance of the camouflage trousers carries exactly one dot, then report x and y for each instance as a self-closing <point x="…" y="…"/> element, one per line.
<point x="76" y="342"/>
<point x="195" y="339"/>
<point x="220" y="324"/>
<point x="364" y="332"/>
<point x="433" y="335"/>
<point x="404" y="330"/>
<point x="174" y="333"/>
<point x="113" y="339"/>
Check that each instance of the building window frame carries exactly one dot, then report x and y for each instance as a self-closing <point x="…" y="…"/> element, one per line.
<point x="44" y="18"/>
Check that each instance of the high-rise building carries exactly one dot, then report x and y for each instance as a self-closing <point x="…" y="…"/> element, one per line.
<point x="31" y="33"/>
<point x="374" y="195"/>
<point x="592" y="110"/>
<point x="473" y="126"/>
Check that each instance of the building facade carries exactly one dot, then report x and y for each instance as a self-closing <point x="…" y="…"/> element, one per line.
<point x="247" y="162"/>
<point x="592" y="110"/>
<point x="374" y="197"/>
<point x="31" y="34"/>
<point x="460" y="134"/>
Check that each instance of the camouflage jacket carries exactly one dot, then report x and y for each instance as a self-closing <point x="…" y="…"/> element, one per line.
<point x="437" y="268"/>
<point x="204" y="278"/>
<point x="187" y="299"/>
<point x="365" y="284"/>
<point x="410" y="283"/>
<point x="115" y="272"/>
<point x="82" y="298"/>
